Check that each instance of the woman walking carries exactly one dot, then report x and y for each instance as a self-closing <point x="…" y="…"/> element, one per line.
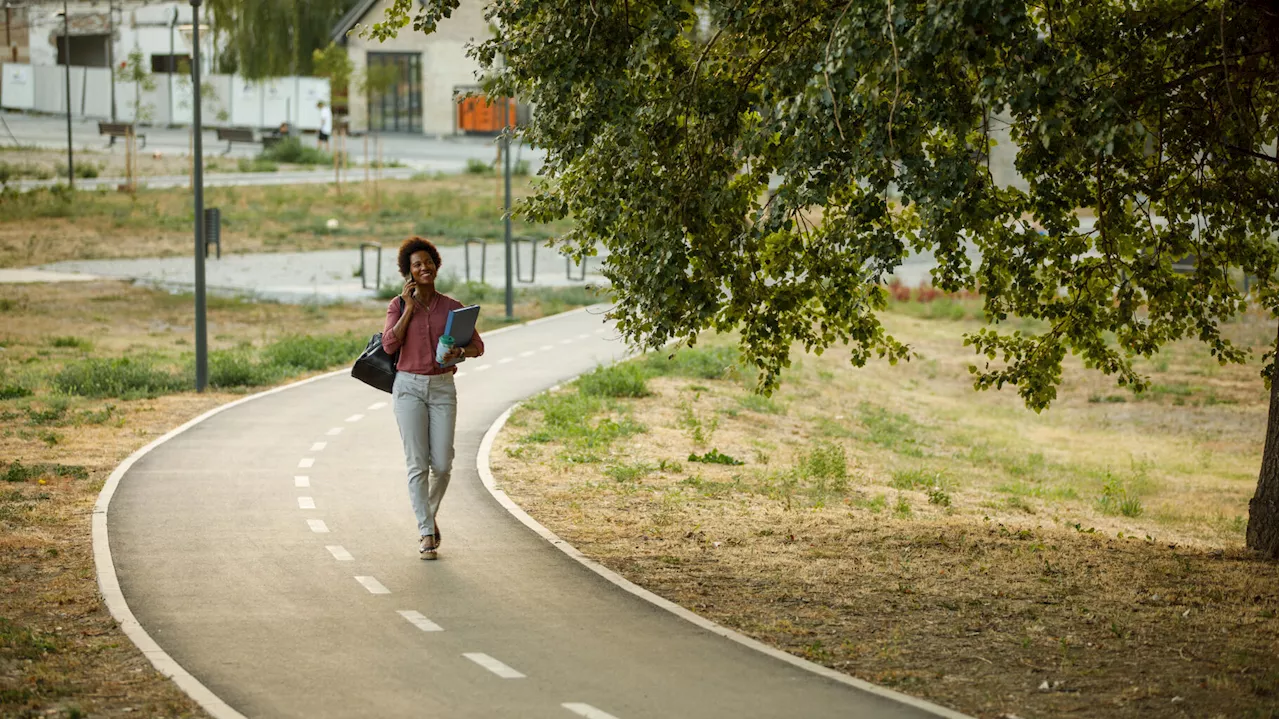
<point x="423" y="397"/>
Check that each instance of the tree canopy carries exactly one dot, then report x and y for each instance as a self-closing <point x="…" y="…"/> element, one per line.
<point x="664" y="123"/>
<point x="274" y="38"/>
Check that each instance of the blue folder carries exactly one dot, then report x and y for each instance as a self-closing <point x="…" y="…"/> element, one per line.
<point x="461" y="326"/>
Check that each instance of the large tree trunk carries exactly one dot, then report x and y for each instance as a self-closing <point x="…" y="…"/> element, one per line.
<point x="1263" y="518"/>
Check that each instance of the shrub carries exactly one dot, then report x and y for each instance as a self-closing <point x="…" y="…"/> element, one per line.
<point x="292" y="150"/>
<point x="715" y="456"/>
<point x="236" y="368"/>
<point x="19" y="472"/>
<point x="257" y="164"/>
<point x="621" y="380"/>
<point x="478" y="167"/>
<point x="311" y="353"/>
<point x="121" y="377"/>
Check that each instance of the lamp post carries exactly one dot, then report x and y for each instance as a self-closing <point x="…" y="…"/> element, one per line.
<point x="66" y="50"/>
<point x="506" y="180"/>
<point x="202" y="347"/>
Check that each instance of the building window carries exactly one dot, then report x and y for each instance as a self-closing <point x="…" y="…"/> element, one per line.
<point x="171" y="63"/>
<point x="396" y="107"/>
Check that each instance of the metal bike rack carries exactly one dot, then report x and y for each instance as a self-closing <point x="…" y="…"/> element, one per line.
<point x="466" y="258"/>
<point x="568" y="270"/>
<point x="533" y="259"/>
<point x="364" y="285"/>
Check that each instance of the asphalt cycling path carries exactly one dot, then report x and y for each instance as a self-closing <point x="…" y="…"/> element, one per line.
<point x="269" y="550"/>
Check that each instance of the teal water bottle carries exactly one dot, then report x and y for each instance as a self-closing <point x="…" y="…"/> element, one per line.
<point x="443" y="346"/>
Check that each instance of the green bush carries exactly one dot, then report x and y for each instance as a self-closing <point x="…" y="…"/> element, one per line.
<point x="236" y="368"/>
<point x="120" y="377"/>
<point x="311" y="353"/>
<point x="19" y="472"/>
<point x="620" y="380"/>
<point x="478" y="167"/>
<point x="292" y="150"/>
<point x="256" y="164"/>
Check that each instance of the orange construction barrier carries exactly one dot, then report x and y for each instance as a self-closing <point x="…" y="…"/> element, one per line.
<point x="478" y="114"/>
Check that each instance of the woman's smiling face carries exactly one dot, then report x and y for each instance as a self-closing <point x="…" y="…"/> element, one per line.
<point x="422" y="269"/>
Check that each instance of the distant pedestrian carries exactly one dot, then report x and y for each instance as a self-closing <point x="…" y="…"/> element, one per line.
<point x="423" y="397"/>
<point x="326" y="125"/>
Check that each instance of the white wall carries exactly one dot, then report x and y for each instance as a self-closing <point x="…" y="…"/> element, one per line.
<point x="252" y="104"/>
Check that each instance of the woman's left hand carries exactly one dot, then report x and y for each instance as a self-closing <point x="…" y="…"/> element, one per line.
<point x="454" y="355"/>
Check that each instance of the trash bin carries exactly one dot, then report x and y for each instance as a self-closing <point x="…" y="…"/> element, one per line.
<point x="212" y="230"/>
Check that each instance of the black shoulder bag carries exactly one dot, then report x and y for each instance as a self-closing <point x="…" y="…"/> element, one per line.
<point x="375" y="367"/>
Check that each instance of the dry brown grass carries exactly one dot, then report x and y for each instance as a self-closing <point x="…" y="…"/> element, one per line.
<point x="61" y="653"/>
<point x="1016" y="576"/>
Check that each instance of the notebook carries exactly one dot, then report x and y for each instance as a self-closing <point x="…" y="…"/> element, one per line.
<point x="461" y="325"/>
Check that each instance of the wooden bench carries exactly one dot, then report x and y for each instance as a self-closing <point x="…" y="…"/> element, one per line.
<point x="235" y="134"/>
<point x="119" y="129"/>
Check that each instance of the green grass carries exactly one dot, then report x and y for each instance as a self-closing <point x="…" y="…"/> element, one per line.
<point x="619" y="380"/>
<point x="891" y="430"/>
<point x="19" y="472"/>
<point x="759" y="403"/>
<point x="117" y="377"/>
<point x="699" y="363"/>
<point x="571" y="418"/>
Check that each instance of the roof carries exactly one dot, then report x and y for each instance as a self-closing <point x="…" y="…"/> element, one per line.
<point x="348" y="21"/>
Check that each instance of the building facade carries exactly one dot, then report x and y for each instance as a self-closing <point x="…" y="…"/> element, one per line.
<point x="424" y="73"/>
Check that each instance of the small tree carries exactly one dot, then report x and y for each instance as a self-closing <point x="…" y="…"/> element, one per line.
<point x="135" y="70"/>
<point x="334" y="63"/>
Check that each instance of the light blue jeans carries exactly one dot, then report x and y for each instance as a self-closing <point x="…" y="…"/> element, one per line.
<point x="426" y="409"/>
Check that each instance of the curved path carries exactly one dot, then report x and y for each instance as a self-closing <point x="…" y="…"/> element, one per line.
<point x="270" y="551"/>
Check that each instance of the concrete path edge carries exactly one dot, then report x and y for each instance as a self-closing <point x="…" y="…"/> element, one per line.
<point x="109" y="583"/>
<point x="486" y="476"/>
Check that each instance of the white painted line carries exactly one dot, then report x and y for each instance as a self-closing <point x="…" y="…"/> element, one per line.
<point x="373" y="585"/>
<point x="334" y="432"/>
<point x="317" y="526"/>
<point x="459" y="373"/>
<point x="505" y="360"/>
<point x="584" y="336"/>
<point x="377" y="405"/>
<point x="339" y="553"/>
<point x="544" y="348"/>
<point x="566" y="342"/>
<point x="600" y="331"/>
<point x="420" y="621"/>
<point x="494" y="665"/>
<point x="300" y="481"/>
<point x="306" y="462"/>
<point x="527" y="353"/>
<point x="319" y="446"/>
<point x="355" y="418"/>
<point x="483" y="367"/>
<point x="586" y="710"/>
<point x="306" y="503"/>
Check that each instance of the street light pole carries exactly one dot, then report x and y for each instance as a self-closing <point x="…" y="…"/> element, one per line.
<point x="66" y="49"/>
<point x="197" y="161"/>
<point x="506" y="179"/>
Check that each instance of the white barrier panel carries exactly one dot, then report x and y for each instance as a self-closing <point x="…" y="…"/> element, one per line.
<point x="277" y="102"/>
<point x="96" y="100"/>
<point x="215" y="95"/>
<point x="311" y="90"/>
<point x="246" y="102"/>
<point x="124" y="101"/>
<point x="50" y="89"/>
<point x="17" y="87"/>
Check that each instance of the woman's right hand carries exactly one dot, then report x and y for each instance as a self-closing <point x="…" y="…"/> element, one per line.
<point x="407" y="293"/>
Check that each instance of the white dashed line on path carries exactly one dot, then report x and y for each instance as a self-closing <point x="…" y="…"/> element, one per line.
<point x="459" y="374"/>
<point x="373" y="585"/>
<point x="377" y="405"/>
<point x="306" y="503"/>
<point x="420" y="621"/>
<point x="319" y="446"/>
<point x="300" y="481"/>
<point x="334" y="432"/>
<point x="340" y="554"/>
<point x="586" y="710"/>
<point x="494" y="665"/>
<point x="599" y="332"/>
<point x="584" y="336"/>
<point x="306" y="462"/>
<point x="355" y="418"/>
<point x="566" y="342"/>
<point x="483" y="367"/>
<point x="318" y="526"/>
<point x="505" y="360"/>
<point x="544" y="348"/>
<point x="527" y="353"/>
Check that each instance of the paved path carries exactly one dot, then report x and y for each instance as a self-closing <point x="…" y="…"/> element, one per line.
<point x="329" y="276"/>
<point x="271" y="552"/>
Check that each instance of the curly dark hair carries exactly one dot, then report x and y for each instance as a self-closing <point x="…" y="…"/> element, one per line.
<point x="412" y="245"/>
